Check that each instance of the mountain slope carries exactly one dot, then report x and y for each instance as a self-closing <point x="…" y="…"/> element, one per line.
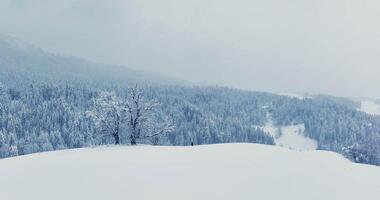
<point x="229" y="171"/>
<point x="22" y="61"/>
<point x="60" y="89"/>
<point x="370" y="107"/>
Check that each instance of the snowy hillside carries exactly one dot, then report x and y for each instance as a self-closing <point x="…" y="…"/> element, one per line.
<point x="370" y="107"/>
<point x="291" y="137"/>
<point x="32" y="63"/>
<point x="229" y="171"/>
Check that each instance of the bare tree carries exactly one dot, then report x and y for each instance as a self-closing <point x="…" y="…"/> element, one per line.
<point x="140" y="115"/>
<point x="143" y="120"/>
<point x="108" y="115"/>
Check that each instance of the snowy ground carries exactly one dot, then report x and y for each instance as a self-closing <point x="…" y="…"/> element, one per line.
<point x="229" y="171"/>
<point x="291" y="137"/>
<point x="370" y="107"/>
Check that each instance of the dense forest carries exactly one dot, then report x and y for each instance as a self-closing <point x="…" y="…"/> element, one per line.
<point x="45" y="101"/>
<point x="39" y="117"/>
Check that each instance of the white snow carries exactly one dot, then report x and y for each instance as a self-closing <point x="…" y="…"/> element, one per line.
<point x="270" y="129"/>
<point x="220" y="172"/>
<point x="292" y="137"/>
<point x="370" y="107"/>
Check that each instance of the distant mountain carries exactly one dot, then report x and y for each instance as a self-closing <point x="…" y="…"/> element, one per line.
<point x="22" y="61"/>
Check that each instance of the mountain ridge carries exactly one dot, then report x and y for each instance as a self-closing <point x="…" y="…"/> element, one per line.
<point x="19" y="57"/>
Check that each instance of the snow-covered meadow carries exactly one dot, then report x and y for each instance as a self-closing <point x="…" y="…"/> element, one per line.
<point x="227" y="171"/>
<point x="291" y="137"/>
<point x="370" y="107"/>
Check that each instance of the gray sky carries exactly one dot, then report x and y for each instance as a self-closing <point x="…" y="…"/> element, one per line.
<point x="324" y="46"/>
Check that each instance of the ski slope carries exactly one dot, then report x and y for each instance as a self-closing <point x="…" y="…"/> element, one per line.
<point x="220" y="172"/>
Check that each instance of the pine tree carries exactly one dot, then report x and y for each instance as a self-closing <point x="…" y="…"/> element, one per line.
<point x="4" y="147"/>
<point x="13" y="146"/>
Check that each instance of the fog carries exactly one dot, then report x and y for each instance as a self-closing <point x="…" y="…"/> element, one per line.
<point x="325" y="46"/>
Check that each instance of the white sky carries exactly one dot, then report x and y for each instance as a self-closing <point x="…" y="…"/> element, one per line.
<point x="324" y="46"/>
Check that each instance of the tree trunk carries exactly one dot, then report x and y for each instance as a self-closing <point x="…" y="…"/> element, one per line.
<point x="133" y="141"/>
<point x="117" y="138"/>
<point x="133" y="136"/>
<point x="116" y="133"/>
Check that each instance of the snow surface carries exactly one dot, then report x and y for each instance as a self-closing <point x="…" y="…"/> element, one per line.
<point x="291" y="137"/>
<point x="370" y="107"/>
<point x="220" y="172"/>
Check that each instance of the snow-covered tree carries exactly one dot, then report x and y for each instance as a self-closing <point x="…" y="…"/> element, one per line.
<point x="139" y="115"/>
<point x="29" y="144"/>
<point x="4" y="146"/>
<point x="142" y="117"/>
<point x="44" y="143"/>
<point x="8" y="145"/>
<point x="13" y="146"/>
<point x="56" y="140"/>
<point x="108" y="115"/>
<point x="2" y="97"/>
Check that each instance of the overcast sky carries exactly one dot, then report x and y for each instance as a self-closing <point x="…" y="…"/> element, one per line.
<point x="324" y="46"/>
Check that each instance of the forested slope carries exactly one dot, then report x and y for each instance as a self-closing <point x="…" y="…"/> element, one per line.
<point x="44" y="99"/>
<point x="44" y="117"/>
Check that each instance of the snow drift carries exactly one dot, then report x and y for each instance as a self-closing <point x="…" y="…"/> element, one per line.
<point x="228" y="171"/>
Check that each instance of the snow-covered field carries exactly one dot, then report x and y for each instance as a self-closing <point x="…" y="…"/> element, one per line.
<point x="291" y="137"/>
<point x="370" y="107"/>
<point x="228" y="171"/>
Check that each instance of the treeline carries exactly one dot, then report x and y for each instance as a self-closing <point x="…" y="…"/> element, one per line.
<point x="43" y="117"/>
<point x="336" y="126"/>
